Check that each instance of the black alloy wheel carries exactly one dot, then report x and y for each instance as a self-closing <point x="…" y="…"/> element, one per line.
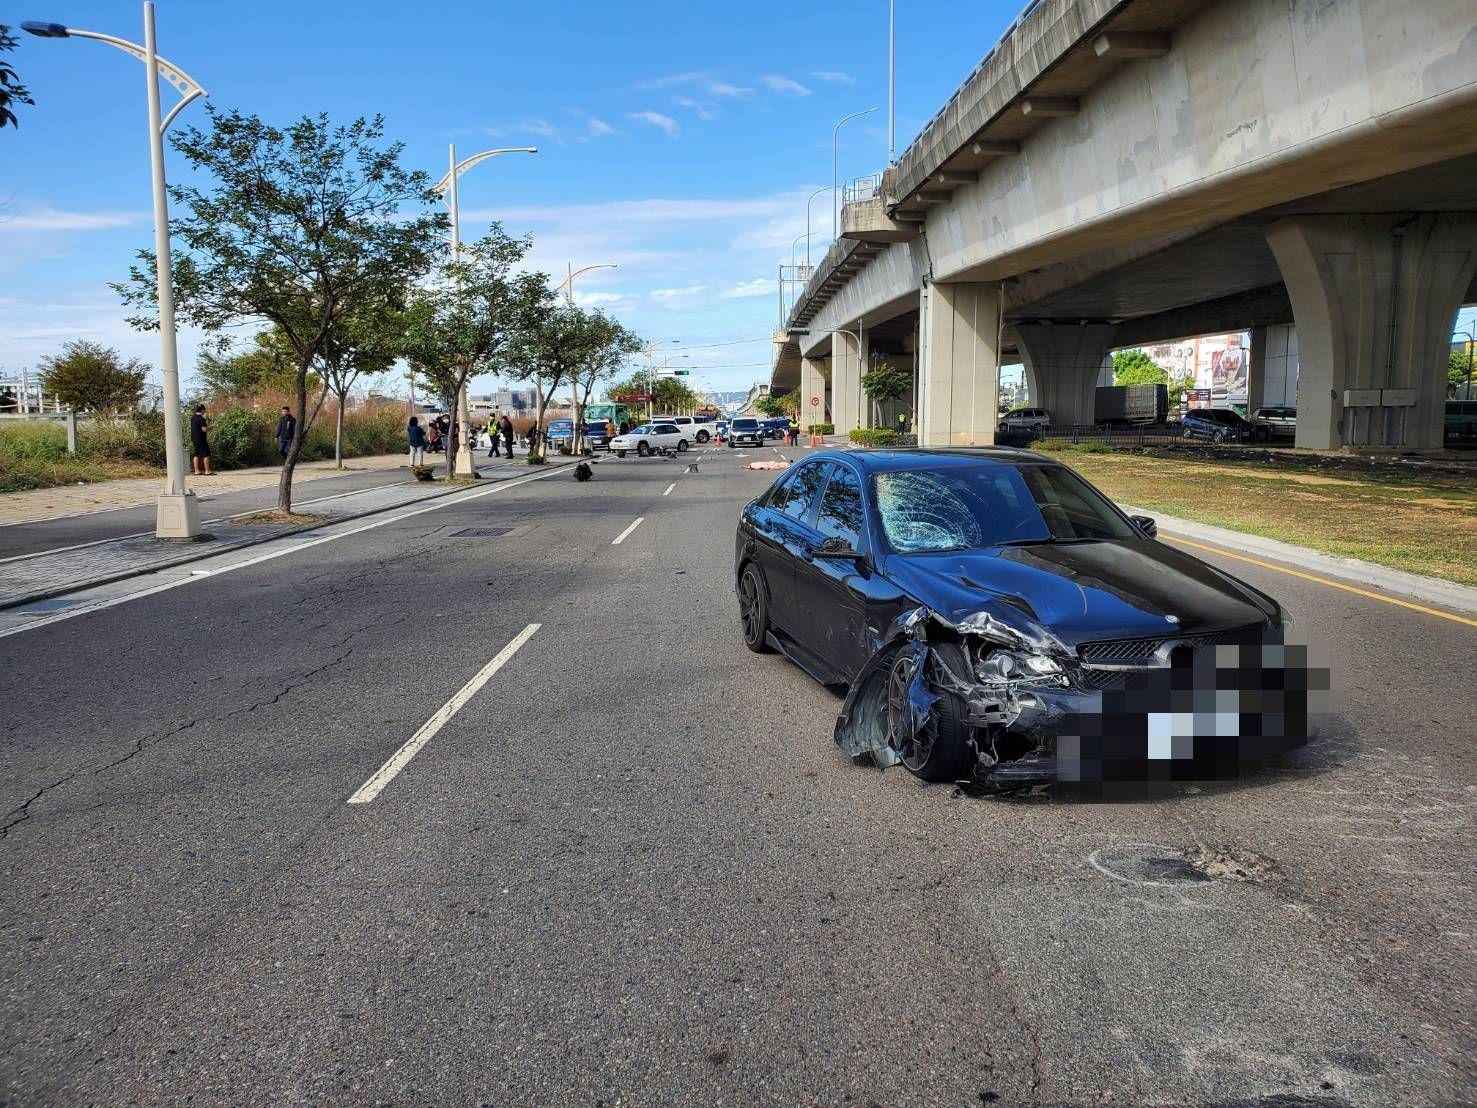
<point x="642" y="450"/>
<point x="681" y="445"/>
<point x="942" y="755"/>
<point x="753" y="610"/>
<point x="703" y="436"/>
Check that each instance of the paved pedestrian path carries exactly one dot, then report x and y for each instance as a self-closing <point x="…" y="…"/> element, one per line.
<point x="33" y="505"/>
<point x="37" y="578"/>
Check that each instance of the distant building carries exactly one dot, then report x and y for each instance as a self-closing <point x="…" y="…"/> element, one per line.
<point x="505" y="400"/>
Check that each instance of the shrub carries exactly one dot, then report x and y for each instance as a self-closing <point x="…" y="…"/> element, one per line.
<point x="874" y="436"/>
<point x="240" y="437"/>
<point x="820" y="428"/>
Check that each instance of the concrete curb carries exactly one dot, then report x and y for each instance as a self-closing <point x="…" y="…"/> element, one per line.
<point x="207" y="550"/>
<point x="1432" y="590"/>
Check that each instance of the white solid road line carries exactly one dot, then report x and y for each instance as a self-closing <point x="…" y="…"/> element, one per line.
<point x="670" y="487"/>
<point x="623" y="535"/>
<point x="401" y="758"/>
<point x="280" y="552"/>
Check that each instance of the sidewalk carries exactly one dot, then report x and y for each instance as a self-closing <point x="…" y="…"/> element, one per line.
<point x="34" y="579"/>
<point x="35" y="505"/>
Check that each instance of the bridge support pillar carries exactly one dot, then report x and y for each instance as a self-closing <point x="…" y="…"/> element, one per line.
<point x="813" y="406"/>
<point x="959" y="364"/>
<point x="846" y="382"/>
<point x="1064" y="364"/>
<point x="1374" y="298"/>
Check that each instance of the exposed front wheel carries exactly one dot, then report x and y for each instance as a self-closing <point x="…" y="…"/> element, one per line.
<point x="681" y="445"/>
<point x="935" y="748"/>
<point x="753" y="610"/>
<point x="642" y="450"/>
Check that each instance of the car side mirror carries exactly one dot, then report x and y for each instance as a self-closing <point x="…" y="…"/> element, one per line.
<point x="838" y="548"/>
<point x="1147" y="525"/>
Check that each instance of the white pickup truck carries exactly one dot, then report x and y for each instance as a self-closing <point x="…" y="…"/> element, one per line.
<point x="696" y="430"/>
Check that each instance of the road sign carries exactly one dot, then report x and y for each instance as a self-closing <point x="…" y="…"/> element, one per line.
<point x="634" y="398"/>
<point x="814" y="400"/>
<point x="681" y="372"/>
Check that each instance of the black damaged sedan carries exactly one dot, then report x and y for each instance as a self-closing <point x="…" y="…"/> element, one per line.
<point x="996" y="619"/>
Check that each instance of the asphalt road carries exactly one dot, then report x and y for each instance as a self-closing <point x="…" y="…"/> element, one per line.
<point x="633" y="869"/>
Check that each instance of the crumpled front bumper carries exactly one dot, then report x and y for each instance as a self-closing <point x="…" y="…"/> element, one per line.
<point x="1210" y="713"/>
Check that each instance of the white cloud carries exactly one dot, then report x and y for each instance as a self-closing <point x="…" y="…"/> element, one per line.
<point x="701" y="109"/>
<point x="665" y="122"/>
<point x="595" y="299"/>
<point x="734" y="92"/>
<point x="50" y="219"/>
<point x="672" y="298"/>
<point x="759" y="286"/>
<point x="784" y="86"/>
<point x="598" y="128"/>
<point x="834" y="77"/>
<point x="674" y="80"/>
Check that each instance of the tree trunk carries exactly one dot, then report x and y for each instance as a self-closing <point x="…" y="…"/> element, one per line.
<point x="452" y="439"/>
<point x="338" y="436"/>
<point x="540" y="443"/>
<point x="294" y="451"/>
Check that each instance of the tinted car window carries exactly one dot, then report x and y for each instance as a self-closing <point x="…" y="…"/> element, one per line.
<point x="967" y="508"/>
<point x="801" y="492"/>
<point x="746" y="425"/>
<point x="841" y="507"/>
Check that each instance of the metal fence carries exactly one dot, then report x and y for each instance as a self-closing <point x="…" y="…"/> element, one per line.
<point x="861" y="188"/>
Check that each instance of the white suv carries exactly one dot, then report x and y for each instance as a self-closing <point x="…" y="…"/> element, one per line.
<point x="649" y="438"/>
<point x="1025" y="419"/>
<point x="695" y="430"/>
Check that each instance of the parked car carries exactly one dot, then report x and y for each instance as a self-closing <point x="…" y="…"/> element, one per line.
<point x="979" y="605"/>
<point x="560" y="432"/>
<point x="1034" y="420"/>
<point x="1279" y="421"/>
<point x="696" y="430"/>
<point x="1222" y="425"/>
<point x="746" y="430"/>
<point x="597" y="435"/>
<point x="775" y="426"/>
<point x="720" y="428"/>
<point x="650" y="438"/>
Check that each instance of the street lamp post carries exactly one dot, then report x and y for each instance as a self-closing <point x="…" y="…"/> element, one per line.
<point x="178" y="514"/>
<point x="568" y="283"/>
<point x="446" y="188"/>
<point x="835" y="180"/>
<point x="817" y="192"/>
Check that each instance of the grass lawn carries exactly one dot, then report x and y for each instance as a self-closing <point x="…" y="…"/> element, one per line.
<point x="1421" y="523"/>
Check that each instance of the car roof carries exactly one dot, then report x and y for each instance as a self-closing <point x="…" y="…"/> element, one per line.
<point x="919" y="457"/>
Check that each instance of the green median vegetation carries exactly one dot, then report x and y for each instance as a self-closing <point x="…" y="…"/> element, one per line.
<point x="1387" y="514"/>
<point x="874" y="436"/>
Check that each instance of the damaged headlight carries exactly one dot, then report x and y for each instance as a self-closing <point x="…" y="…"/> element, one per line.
<point x="996" y="666"/>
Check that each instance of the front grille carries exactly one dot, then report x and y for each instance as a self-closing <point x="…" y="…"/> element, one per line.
<point x="1128" y="651"/>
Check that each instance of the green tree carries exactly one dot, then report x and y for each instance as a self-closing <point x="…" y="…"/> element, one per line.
<point x="553" y="341"/>
<point x="467" y="321"/>
<point x="885" y="383"/>
<point x="611" y="345"/>
<point x="1134" y="367"/>
<point x="11" y="90"/>
<point x="88" y="377"/>
<point x="266" y="363"/>
<point x="1461" y="367"/>
<point x="368" y="342"/>
<point x="301" y="227"/>
<point x="787" y="404"/>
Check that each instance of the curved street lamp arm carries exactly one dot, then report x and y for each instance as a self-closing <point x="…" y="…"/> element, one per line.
<point x="570" y="279"/>
<point x="190" y="88"/>
<point x="441" y="186"/>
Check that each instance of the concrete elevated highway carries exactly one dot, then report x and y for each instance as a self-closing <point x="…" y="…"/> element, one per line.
<point x="1120" y="172"/>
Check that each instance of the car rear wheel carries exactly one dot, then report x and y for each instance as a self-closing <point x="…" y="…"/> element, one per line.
<point x="940" y="753"/>
<point x="642" y="449"/>
<point x="681" y="445"/>
<point x="703" y="436"/>
<point x="754" y="609"/>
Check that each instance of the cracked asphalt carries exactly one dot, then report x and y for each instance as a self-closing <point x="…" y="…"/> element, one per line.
<point x="634" y="869"/>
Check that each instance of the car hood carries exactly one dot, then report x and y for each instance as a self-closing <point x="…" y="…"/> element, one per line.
<point x="1079" y="592"/>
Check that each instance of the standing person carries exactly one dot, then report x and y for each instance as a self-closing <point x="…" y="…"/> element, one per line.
<point x="417" y="438"/>
<point x="286" y="425"/>
<point x="435" y="436"/>
<point x="507" y="429"/>
<point x="199" y="443"/>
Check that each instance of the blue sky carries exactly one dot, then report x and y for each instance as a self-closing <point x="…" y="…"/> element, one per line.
<point x="677" y="140"/>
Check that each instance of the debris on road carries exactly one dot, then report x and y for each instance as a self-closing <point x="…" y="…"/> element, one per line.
<point x="583" y="472"/>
